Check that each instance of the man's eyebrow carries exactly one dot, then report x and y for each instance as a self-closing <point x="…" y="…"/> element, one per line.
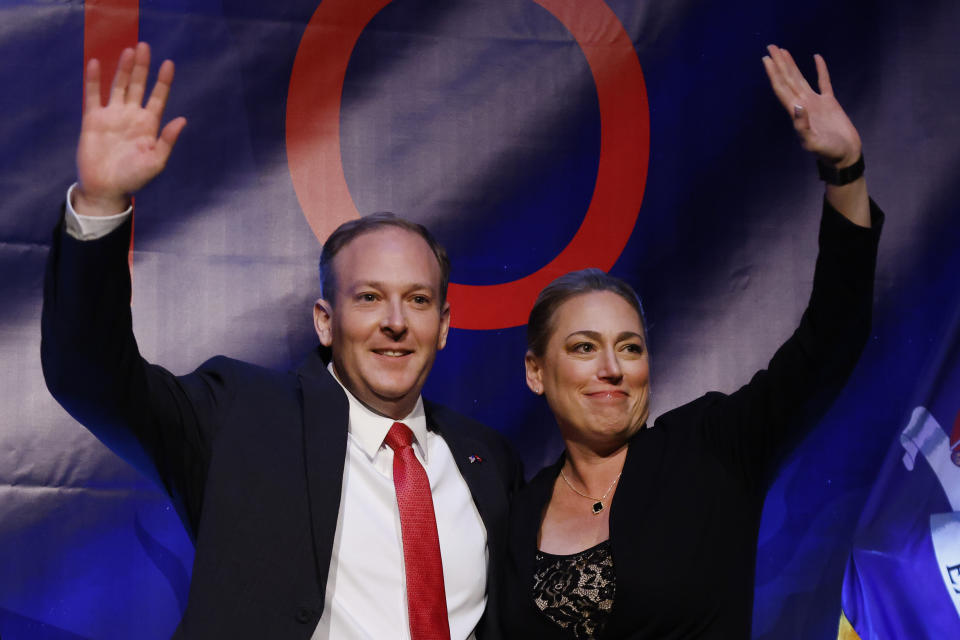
<point x="360" y="284"/>
<point x="376" y="284"/>
<point x="418" y="286"/>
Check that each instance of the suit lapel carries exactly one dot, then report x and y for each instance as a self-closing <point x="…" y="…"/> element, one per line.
<point x="528" y="509"/>
<point x="325" y="415"/>
<point x="629" y="526"/>
<point x="477" y="464"/>
<point x="486" y="476"/>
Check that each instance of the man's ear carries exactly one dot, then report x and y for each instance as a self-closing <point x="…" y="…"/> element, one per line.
<point x="444" y="326"/>
<point x="534" y="373"/>
<point x="323" y="321"/>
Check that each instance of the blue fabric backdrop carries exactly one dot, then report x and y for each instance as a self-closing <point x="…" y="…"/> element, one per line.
<point x="482" y="120"/>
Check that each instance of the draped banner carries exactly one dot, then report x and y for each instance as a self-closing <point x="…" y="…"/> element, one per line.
<point x="903" y="577"/>
<point x="533" y="137"/>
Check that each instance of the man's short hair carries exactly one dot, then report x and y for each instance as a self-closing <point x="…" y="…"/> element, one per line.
<point x="352" y="229"/>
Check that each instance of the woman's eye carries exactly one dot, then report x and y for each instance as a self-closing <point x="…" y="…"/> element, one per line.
<point x="583" y="347"/>
<point x="633" y="348"/>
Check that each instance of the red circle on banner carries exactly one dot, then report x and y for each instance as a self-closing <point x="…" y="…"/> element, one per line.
<point x="316" y="168"/>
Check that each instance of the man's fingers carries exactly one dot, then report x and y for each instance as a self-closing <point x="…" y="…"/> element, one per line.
<point x="161" y="89"/>
<point x="138" y="76"/>
<point x="122" y="77"/>
<point x="168" y="137"/>
<point x="823" y="76"/>
<point x="92" y="85"/>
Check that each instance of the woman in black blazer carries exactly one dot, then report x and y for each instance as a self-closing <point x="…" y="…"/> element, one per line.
<point x="642" y="532"/>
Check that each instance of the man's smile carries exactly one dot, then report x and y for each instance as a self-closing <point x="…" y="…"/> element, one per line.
<point x="393" y="353"/>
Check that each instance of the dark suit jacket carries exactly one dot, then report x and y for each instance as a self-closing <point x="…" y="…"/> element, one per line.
<point x="252" y="458"/>
<point x="685" y="517"/>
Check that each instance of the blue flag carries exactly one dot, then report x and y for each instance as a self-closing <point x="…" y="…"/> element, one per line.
<point x="903" y="576"/>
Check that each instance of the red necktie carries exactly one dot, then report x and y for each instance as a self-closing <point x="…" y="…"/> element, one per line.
<point x="426" y="599"/>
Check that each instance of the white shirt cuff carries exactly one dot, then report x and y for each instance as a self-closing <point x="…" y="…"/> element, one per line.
<point x="91" y="227"/>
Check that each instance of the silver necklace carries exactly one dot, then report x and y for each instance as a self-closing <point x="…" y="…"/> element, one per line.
<point x="598" y="504"/>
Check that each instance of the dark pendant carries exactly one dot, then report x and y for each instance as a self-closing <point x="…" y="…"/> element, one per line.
<point x="597" y="507"/>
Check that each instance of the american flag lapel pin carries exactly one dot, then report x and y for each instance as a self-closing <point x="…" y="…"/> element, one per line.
<point x="475" y="459"/>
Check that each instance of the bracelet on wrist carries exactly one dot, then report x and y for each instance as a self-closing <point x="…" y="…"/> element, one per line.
<point x="839" y="177"/>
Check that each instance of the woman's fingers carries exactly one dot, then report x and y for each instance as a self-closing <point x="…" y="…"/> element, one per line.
<point x="776" y="55"/>
<point x="823" y="76"/>
<point x="793" y="73"/>
<point x="780" y="88"/>
<point x="791" y="88"/>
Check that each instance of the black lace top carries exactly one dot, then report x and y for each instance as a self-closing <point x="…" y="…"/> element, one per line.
<point x="576" y="591"/>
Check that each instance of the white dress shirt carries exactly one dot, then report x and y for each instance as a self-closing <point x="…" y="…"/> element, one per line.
<point x="366" y="585"/>
<point x="91" y="227"/>
<point x="366" y="594"/>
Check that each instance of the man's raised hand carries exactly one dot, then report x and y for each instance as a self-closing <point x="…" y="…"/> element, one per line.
<point x="119" y="150"/>
<point x="820" y="121"/>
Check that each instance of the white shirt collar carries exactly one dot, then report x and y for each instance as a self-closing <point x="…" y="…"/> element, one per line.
<point x="369" y="429"/>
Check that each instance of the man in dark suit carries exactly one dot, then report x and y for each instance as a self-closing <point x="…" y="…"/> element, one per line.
<point x="329" y="502"/>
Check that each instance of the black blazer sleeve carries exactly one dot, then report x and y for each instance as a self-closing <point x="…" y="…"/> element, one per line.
<point x="752" y="428"/>
<point x="160" y="423"/>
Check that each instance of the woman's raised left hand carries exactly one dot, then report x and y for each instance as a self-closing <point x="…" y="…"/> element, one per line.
<point x="820" y="121"/>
